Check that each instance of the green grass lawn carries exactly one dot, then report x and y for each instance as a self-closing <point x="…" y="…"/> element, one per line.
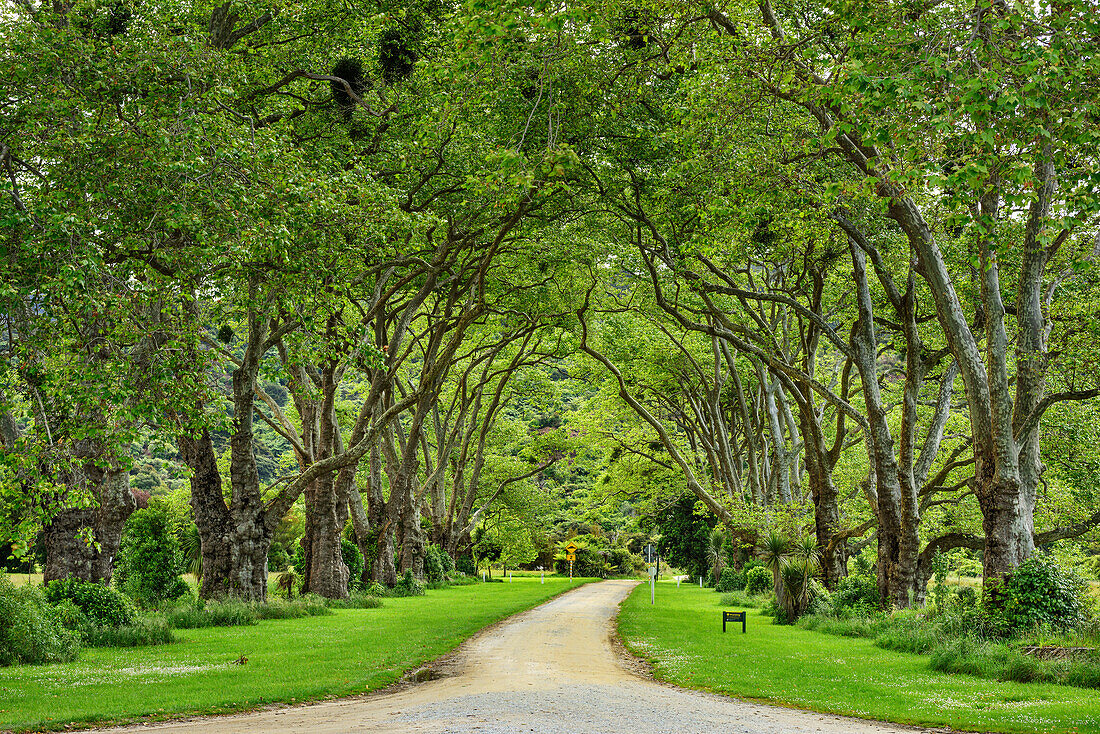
<point x="682" y="636"/>
<point x="291" y="660"/>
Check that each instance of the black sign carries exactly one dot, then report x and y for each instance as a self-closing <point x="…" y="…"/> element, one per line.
<point x="733" y="617"/>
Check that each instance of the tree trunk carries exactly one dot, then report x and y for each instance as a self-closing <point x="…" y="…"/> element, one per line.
<point x="67" y="554"/>
<point x="326" y="573"/>
<point x="235" y="541"/>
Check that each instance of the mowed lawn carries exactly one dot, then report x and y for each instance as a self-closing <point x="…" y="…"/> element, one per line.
<point x="293" y="660"/>
<point x="682" y="636"/>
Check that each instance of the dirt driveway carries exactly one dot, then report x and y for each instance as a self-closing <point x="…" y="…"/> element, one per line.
<point x="549" y="670"/>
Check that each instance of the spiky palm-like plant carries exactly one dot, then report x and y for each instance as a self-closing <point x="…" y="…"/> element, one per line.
<point x="287" y="580"/>
<point x="776" y="547"/>
<point x="796" y="578"/>
<point x="806" y="547"/>
<point x="715" y="555"/>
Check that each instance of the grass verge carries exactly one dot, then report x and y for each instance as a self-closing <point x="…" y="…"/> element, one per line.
<point x="288" y="660"/>
<point x="681" y="636"/>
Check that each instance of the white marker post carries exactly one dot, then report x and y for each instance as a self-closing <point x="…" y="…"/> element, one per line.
<point x="652" y="585"/>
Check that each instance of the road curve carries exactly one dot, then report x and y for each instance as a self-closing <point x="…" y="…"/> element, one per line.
<point x="549" y="670"/>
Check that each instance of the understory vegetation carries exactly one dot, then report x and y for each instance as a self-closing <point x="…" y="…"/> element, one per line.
<point x="681" y="636"/>
<point x="1042" y="624"/>
<point x="224" y="669"/>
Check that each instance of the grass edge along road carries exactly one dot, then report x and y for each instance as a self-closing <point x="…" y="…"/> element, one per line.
<point x="350" y="652"/>
<point x="681" y="637"/>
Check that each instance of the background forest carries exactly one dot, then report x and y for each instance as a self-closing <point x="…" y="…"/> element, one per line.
<point x="395" y="291"/>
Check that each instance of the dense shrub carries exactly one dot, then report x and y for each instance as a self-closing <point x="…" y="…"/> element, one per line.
<point x="408" y="586"/>
<point x="855" y="595"/>
<point x="31" y="630"/>
<point x="375" y="588"/>
<point x="465" y="565"/>
<point x="353" y="559"/>
<point x="73" y="618"/>
<point x="277" y="557"/>
<point x="103" y="606"/>
<point x="1040" y="593"/>
<point x="620" y="560"/>
<point x="149" y="560"/>
<point x="588" y="563"/>
<point x="433" y="564"/>
<point x="757" y="580"/>
<point x="731" y="580"/>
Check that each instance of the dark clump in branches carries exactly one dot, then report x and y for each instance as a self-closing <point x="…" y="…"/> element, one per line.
<point x="396" y="55"/>
<point x="351" y="71"/>
<point x="635" y="28"/>
<point x="105" y="21"/>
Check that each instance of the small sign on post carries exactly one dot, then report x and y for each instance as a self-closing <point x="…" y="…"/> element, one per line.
<point x="571" y="555"/>
<point x="733" y="617"/>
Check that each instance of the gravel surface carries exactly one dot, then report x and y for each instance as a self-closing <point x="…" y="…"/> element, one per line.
<point x="552" y="669"/>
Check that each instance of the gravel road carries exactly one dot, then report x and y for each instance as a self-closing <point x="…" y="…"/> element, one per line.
<point x="549" y="670"/>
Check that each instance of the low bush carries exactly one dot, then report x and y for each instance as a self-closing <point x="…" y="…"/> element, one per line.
<point x="198" y="614"/>
<point x="866" y="627"/>
<point x="375" y="588"/>
<point x="73" y="617"/>
<point x="462" y="580"/>
<point x="741" y="599"/>
<point x="757" y="581"/>
<point x="908" y="631"/>
<point x="407" y="586"/>
<point x="1000" y="661"/>
<point x="195" y="614"/>
<point x="620" y="560"/>
<point x="309" y="605"/>
<point x="103" y="606"/>
<point x="152" y="630"/>
<point x="31" y="630"/>
<point x="358" y="600"/>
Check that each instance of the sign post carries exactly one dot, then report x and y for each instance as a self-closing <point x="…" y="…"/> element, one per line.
<point x="542" y="575"/>
<point x="571" y="555"/>
<point x="652" y="557"/>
